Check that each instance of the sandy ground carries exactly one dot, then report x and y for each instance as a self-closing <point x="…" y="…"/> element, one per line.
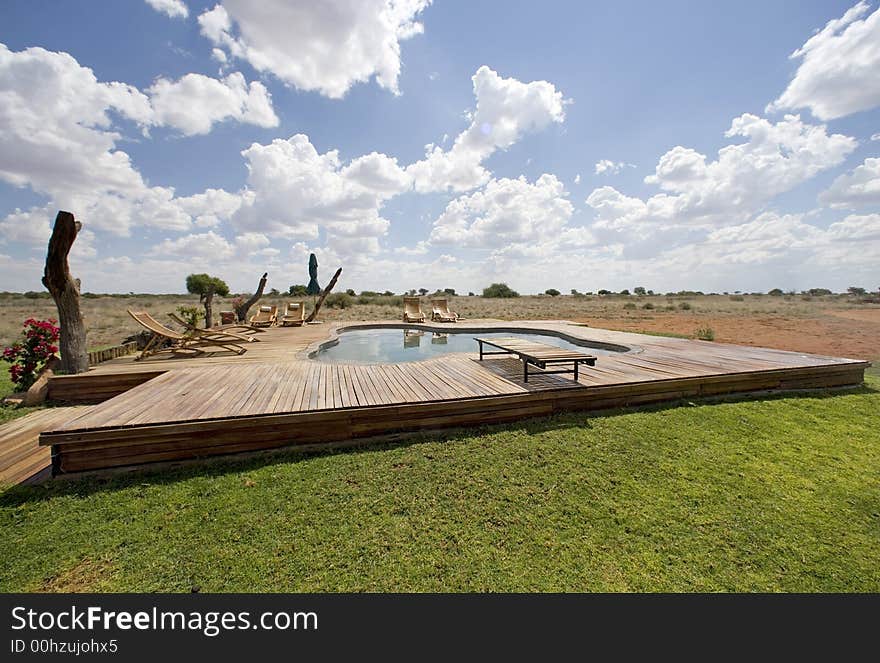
<point x="835" y="325"/>
<point x="840" y="333"/>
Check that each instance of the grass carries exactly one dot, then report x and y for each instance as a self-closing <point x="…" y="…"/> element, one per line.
<point x="779" y="494"/>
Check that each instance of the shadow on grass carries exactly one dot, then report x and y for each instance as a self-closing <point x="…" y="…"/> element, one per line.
<point x="221" y="465"/>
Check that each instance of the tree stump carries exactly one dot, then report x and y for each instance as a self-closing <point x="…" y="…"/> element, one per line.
<point x="65" y="291"/>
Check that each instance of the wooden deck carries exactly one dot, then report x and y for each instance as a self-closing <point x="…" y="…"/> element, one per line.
<point x="176" y="409"/>
<point x="22" y="459"/>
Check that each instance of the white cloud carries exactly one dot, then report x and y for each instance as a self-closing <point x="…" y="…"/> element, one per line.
<point x="57" y="137"/>
<point x="195" y="102"/>
<point x="171" y="8"/>
<point x="857" y="228"/>
<point x="611" y="167"/>
<point x="775" y="158"/>
<point x="420" y="249"/>
<point x="857" y="188"/>
<point x="875" y="136"/>
<point x="32" y="227"/>
<point x="506" y="110"/>
<point x="293" y="192"/>
<point x="838" y="71"/>
<point x="577" y="178"/>
<point x="326" y="46"/>
<point x="210" y="208"/>
<point x="506" y="212"/>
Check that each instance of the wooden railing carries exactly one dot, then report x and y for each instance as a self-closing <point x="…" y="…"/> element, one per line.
<point x="97" y="356"/>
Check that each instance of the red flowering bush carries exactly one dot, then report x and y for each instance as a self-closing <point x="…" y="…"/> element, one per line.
<point x="28" y="357"/>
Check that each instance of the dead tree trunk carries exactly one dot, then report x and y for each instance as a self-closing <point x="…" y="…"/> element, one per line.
<point x="65" y="291"/>
<point x="314" y="314"/>
<point x="242" y="311"/>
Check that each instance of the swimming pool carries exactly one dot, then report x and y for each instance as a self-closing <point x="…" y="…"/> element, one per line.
<point x="402" y="345"/>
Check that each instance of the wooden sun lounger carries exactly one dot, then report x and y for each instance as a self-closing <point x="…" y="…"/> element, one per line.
<point x="181" y="343"/>
<point x="266" y="316"/>
<point x="536" y="354"/>
<point x="216" y="333"/>
<point x="412" y="310"/>
<point x="294" y="314"/>
<point x="440" y="311"/>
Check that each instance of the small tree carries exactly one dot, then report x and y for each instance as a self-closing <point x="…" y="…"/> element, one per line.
<point x="624" y="292"/>
<point x="449" y="291"/>
<point x="190" y="314"/>
<point x="640" y="291"/>
<point x="499" y="290"/>
<point x="423" y="291"/>
<point x="553" y="292"/>
<point x="298" y="291"/>
<point x="206" y="286"/>
<point x="856" y="291"/>
<point x="776" y="292"/>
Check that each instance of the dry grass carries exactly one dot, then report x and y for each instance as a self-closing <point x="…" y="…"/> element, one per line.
<point x="108" y="323"/>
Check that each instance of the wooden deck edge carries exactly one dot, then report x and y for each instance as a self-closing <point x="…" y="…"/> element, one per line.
<point x="350" y="443"/>
<point x="78" y="451"/>
<point x="96" y="388"/>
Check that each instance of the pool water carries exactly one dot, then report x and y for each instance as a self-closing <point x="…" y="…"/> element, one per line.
<point x="401" y="345"/>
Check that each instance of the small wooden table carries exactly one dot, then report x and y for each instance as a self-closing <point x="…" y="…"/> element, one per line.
<point x="536" y="354"/>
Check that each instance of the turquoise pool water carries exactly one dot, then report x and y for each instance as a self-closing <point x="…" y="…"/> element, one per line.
<point x="401" y="345"/>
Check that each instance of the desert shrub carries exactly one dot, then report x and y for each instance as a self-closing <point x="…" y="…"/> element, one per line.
<point x="190" y="314"/>
<point x="737" y="298"/>
<point x="629" y="305"/>
<point x="669" y="307"/>
<point x="499" y="290"/>
<point x="684" y="306"/>
<point x="648" y="305"/>
<point x="339" y="300"/>
<point x="350" y="292"/>
<point x="299" y="290"/>
<point x="29" y="355"/>
<point x="553" y="292"/>
<point x="705" y="334"/>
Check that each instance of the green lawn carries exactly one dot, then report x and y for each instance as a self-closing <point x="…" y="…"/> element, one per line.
<point x="780" y="494"/>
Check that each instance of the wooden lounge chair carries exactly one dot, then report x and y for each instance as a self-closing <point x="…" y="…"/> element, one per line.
<point x="536" y="354"/>
<point x="294" y="314"/>
<point x="191" y="344"/>
<point x="216" y="333"/>
<point x="440" y="311"/>
<point x="266" y="316"/>
<point x="412" y="310"/>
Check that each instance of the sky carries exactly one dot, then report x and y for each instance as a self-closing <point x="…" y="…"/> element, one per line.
<point x="569" y="145"/>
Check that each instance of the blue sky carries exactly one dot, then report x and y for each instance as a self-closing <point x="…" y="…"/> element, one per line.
<point x="573" y="145"/>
